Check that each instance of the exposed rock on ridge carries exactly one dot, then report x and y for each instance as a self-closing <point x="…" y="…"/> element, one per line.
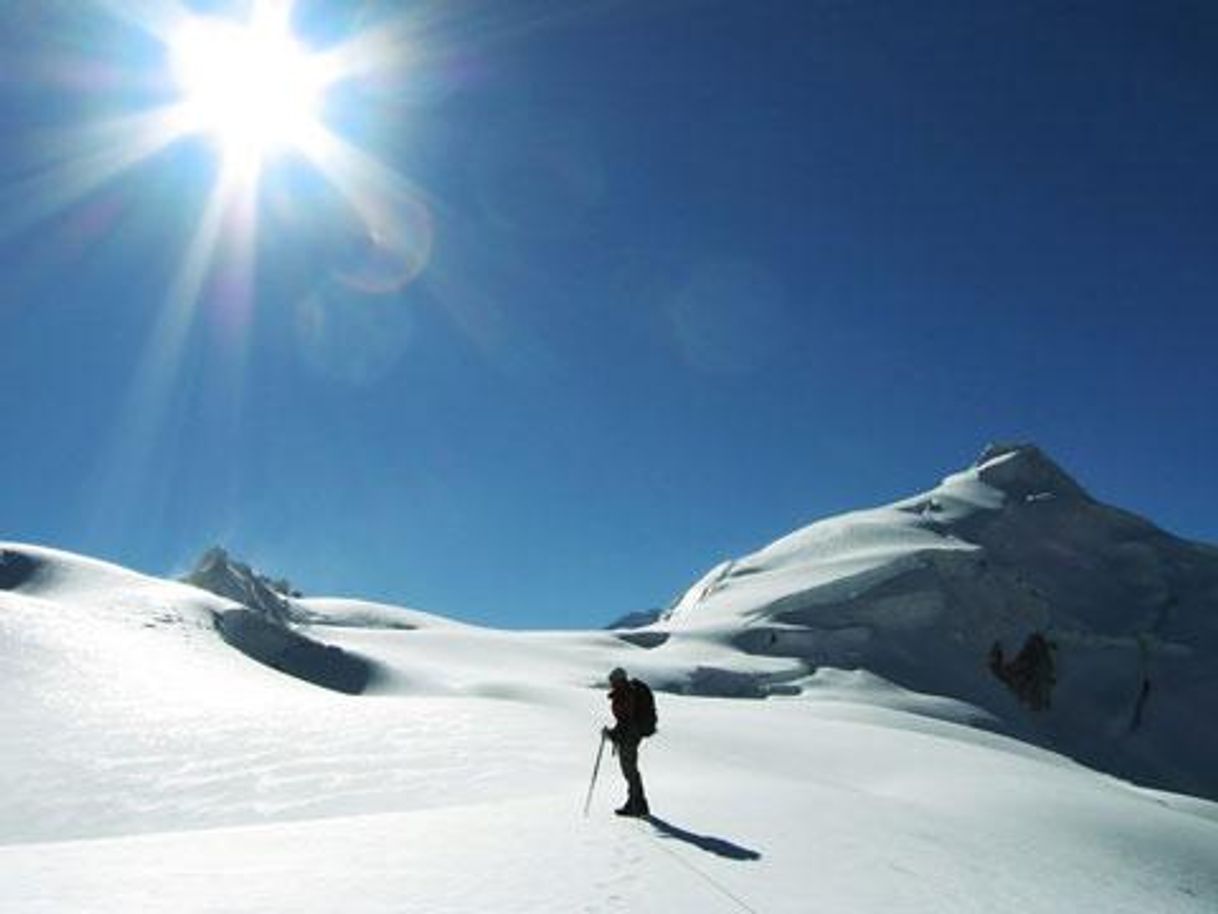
<point x="225" y="576"/>
<point x="261" y="627"/>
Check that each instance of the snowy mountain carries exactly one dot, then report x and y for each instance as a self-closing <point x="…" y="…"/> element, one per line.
<point x="221" y="574"/>
<point x="1076" y="625"/>
<point x="172" y="749"/>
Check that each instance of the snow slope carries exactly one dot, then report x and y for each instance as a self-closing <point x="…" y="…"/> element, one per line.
<point x="922" y="590"/>
<point x="150" y="766"/>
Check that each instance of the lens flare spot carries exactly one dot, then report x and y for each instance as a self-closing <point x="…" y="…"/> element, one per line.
<point x="346" y="336"/>
<point x="390" y="251"/>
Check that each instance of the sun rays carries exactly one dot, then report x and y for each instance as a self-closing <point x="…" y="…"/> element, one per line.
<point x="254" y="92"/>
<point x="257" y="92"/>
<point x="250" y="88"/>
<point x="206" y="122"/>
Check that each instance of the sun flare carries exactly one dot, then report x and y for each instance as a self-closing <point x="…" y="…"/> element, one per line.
<point x="250" y="86"/>
<point x="242" y="79"/>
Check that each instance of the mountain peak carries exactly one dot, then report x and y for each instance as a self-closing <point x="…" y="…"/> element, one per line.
<point x="934" y="592"/>
<point x="226" y="576"/>
<point x="1023" y="471"/>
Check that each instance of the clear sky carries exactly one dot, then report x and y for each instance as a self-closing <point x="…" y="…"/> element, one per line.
<point x="582" y="298"/>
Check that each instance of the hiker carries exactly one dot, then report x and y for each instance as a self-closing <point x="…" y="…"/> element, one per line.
<point x="634" y="712"/>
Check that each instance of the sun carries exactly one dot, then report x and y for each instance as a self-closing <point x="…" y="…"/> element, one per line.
<point x="250" y="86"/>
<point x="243" y="81"/>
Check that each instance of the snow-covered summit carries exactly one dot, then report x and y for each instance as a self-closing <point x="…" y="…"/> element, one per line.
<point x="1078" y="625"/>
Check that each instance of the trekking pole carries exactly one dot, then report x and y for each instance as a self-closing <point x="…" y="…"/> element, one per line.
<point x="595" y="770"/>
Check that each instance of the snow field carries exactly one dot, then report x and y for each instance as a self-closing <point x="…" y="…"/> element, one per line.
<point x="148" y="766"/>
<point x="764" y="806"/>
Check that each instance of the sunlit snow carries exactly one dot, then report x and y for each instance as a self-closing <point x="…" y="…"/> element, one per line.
<point x="149" y="766"/>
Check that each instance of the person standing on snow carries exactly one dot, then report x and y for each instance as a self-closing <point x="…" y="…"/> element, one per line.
<point x="634" y="713"/>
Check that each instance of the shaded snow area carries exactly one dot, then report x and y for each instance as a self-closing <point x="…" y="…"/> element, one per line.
<point x="149" y="765"/>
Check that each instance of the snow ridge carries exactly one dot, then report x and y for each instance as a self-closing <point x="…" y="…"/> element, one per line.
<point x="944" y="591"/>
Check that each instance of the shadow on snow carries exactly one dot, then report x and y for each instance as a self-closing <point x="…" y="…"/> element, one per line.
<point x="718" y="846"/>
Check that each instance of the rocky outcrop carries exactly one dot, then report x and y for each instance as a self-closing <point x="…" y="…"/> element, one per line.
<point x="1030" y="674"/>
<point x="262" y="626"/>
<point x="16" y="569"/>
<point x="219" y="573"/>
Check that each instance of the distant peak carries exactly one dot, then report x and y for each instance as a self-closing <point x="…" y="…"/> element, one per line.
<point x="226" y="576"/>
<point x="1025" y="471"/>
<point x="215" y="557"/>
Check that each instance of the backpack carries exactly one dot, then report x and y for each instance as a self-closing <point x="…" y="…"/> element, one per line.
<point x="644" y="708"/>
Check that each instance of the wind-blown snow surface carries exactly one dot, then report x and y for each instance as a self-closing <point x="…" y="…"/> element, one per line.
<point x="149" y="766"/>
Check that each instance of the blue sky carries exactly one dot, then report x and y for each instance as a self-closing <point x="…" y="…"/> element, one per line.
<point x="673" y="279"/>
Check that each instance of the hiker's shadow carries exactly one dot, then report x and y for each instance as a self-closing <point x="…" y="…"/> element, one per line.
<point x="719" y="846"/>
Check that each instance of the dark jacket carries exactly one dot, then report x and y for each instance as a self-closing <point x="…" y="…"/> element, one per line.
<point x="621" y="698"/>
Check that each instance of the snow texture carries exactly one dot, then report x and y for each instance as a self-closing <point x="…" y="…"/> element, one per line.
<point x="151" y="766"/>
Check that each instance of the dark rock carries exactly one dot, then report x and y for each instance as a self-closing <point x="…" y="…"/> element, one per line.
<point x="16" y="569"/>
<point x="1031" y="675"/>
<point x="219" y="573"/>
